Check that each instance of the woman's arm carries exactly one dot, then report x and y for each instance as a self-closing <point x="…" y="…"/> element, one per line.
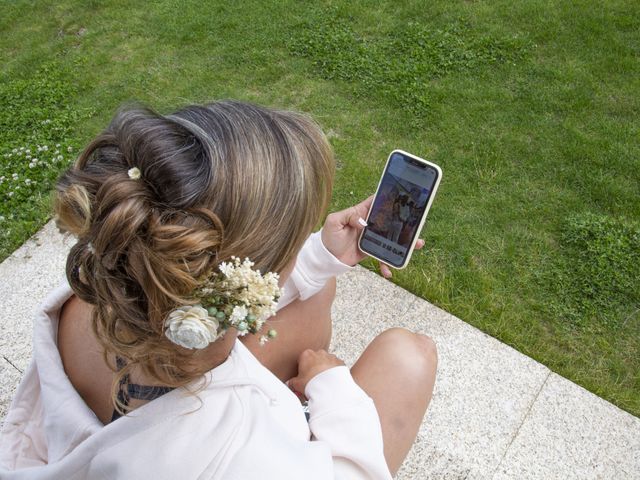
<point x="345" y="418"/>
<point x="314" y="266"/>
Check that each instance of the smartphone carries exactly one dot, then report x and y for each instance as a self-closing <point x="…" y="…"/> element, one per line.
<point x="398" y="211"/>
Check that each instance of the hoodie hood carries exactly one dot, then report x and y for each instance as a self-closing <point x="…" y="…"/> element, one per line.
<point x="63" y="418"/>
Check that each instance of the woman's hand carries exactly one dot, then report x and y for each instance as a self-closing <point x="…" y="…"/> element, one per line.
<point x="311" y="363"/>
<point x="341" y="231"/>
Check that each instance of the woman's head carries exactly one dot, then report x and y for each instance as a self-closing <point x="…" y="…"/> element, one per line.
<point x="221" y="179"/>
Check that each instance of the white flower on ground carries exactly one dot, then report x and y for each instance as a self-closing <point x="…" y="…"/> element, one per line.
<point x="191" y="327"/>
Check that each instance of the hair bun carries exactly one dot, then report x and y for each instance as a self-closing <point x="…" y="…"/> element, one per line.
<point x="73" y="210"/>
<point x="264" y="175"/>
<point x="181" y="246"/>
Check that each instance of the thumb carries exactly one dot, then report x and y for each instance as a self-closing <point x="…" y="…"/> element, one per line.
<point x="295" y="384"/>
<point x="354" y="219"/>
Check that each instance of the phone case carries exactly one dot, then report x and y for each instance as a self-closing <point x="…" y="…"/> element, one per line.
<point x="424" y="215"/>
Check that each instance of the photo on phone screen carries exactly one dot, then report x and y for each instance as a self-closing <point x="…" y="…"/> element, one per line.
<point x="399" y="208"/>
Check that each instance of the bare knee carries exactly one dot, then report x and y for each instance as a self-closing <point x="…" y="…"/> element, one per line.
<point x="328" y="292"/>
<point x="323" y="298"/>
<point x="428" y="348"/>
<point x="415" y="353"/>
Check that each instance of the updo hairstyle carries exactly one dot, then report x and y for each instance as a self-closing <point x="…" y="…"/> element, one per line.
<point x="217" y="180"/>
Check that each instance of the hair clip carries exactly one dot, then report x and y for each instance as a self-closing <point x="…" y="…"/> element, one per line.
<point x="134" y="173"/>
<point x="90" y="248"/>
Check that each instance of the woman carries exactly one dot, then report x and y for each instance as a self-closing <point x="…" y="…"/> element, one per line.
<point x="158" y="203"/>
<point x="397" y="223"/>
<point x="382" y="213"/>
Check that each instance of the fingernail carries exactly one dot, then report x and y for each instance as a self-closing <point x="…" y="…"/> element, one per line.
<point x="362" y="222"/>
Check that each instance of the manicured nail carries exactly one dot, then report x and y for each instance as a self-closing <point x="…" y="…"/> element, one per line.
<point x="362" y="222"/>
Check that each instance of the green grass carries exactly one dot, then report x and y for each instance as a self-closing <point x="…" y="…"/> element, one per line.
<point x="531" y="108"/>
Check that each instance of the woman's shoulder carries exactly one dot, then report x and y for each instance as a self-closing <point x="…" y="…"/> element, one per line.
<point x="82" y="357"/>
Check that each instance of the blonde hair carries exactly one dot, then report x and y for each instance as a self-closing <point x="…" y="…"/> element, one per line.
<point x="221" y="179"/>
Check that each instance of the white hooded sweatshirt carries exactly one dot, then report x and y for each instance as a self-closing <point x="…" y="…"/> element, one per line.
<point x="246" y="424"/>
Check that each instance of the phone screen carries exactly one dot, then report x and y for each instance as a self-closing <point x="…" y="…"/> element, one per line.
<point x="398" y="208"/>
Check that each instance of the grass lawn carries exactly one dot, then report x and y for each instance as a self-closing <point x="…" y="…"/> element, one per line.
<point x="532" y="109"/>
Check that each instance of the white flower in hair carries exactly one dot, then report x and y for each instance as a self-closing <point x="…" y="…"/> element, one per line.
<point x="134" y="173"/>
<point x="191" y="327"/>
<point x="239" y="313"/>
<point x="236" y="296"/>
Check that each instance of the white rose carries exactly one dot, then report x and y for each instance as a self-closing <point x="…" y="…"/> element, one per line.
<point x="191" y="327"/>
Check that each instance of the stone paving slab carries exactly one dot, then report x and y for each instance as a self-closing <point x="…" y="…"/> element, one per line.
<point x="25" y="279"/>
<point x="571" y="433"/>
<point x="495" y="412"/>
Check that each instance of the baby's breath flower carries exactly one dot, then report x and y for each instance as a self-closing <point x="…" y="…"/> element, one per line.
<point x="239" y="296"/>
<point x="239" y="313"/>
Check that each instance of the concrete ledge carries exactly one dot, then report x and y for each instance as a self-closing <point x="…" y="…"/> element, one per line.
<point x="570" y="433"/>
<point x="25" y="279"/>
<point x="495" y="412"/>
